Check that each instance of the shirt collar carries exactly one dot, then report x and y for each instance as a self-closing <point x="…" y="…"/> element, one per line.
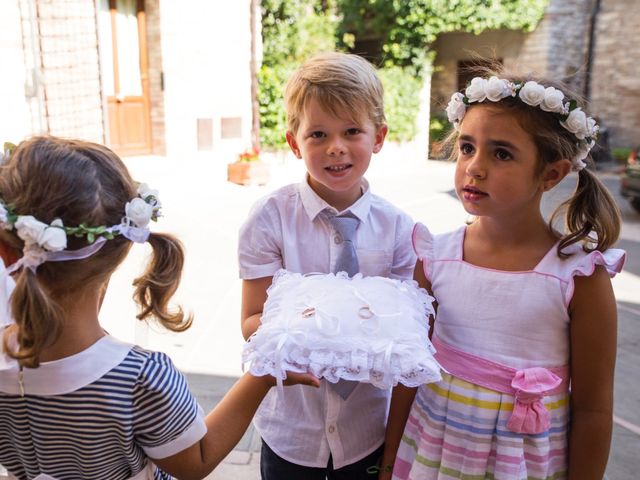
<point x="314" y="205"/>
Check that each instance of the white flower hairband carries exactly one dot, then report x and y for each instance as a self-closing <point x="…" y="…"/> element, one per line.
<point x="48" y="243"/>
<point x="549" y="99"/>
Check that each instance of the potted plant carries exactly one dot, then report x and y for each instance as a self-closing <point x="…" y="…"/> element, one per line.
<point x="248" y="169"/>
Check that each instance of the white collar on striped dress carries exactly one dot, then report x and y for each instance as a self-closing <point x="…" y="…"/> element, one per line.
<point x="65" y="375"/>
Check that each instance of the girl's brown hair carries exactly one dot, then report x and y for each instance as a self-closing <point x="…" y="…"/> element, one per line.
<point x="592" y="215"/>
<point x="78" y="182"/>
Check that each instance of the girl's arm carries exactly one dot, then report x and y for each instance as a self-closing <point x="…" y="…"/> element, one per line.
<point x="593" y="357"/>
<point x="226" y="424"/>
<point x="254" y="294"/>
<point x="401" y="401"/>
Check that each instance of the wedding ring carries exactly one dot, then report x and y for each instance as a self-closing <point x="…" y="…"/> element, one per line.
<point x="365" y="312"/>
<point x="308" y="312"/>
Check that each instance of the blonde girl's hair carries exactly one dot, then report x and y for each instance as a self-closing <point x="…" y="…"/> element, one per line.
<point x="341" y="83"/>
<point x="78" y="182"/>
<point x="592" y="215"/>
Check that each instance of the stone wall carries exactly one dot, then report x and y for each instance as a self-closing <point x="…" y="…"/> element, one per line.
<point x="558" y="48"/>
<point x="156" y="81"/>
<point x="615" y="79"/>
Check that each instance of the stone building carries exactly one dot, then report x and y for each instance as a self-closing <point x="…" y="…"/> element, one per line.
<point x="590" y="44"/>
<point x="143" y="76"/>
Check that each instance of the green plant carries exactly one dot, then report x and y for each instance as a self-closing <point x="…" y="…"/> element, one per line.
<point x="401" y="30"/>
<point x="406" y="28"/>
<point x="292" y="31"/>
<point x="439" y="128"/>
<point x="401" y="101"/>
<point x="621" y="154"/>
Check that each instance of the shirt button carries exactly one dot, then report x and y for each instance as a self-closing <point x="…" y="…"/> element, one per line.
<point x="337" y="239"/>
<point x="332" y="429"/>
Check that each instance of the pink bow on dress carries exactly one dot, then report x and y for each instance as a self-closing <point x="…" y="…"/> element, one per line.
<point x="529" y="413"/>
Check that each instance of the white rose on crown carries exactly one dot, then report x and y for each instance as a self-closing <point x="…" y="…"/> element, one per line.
<point x="577" y="124"/>
<point x="592" y="127"/>
<point x="145" y="192"/>
<point x="53" y="238"/>
<point x="476" y="91"/>
<point x="29" y="229"/>
<point x="532" y="93"/>
<point x="456" y="108"/>
<point x="138" y="212"/>
<point x="552" y="101"/>
<point x="496" y="89"/>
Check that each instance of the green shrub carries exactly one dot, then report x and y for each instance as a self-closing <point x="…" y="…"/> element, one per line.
<point x="621" y="154"/>
<point x="439" y="128"/>
<point x="401" y="102"/>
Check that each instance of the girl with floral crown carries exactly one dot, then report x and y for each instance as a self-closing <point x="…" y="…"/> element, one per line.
<point x="74" y="401"/>
<point x="525" y="328"/>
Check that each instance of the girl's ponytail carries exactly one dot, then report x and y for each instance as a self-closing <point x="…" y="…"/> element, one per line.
<point x="592" y="215"/>
<point x="38" y="318"/>
<point x="160" y="281"/>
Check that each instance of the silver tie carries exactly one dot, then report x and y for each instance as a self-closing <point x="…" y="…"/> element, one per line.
<point x="346" y="226"/>
<point x="347" y="259"/>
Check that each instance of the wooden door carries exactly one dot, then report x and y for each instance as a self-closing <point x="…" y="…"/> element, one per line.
<point x="125" y="75"/>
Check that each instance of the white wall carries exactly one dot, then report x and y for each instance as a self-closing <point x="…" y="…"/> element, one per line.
<point x="206" y="49"/>
<point x="15" y="116"/>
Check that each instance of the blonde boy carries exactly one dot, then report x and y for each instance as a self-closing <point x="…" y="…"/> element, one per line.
<point x="336" y="122"/>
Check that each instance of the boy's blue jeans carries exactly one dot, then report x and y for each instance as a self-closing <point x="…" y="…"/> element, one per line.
<point x="273" y="467"/>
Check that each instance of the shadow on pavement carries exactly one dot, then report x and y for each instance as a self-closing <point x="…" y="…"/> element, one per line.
<point x="209" y="390"/>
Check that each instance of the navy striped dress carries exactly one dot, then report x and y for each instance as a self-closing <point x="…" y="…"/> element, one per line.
<point x="99" y="414"/>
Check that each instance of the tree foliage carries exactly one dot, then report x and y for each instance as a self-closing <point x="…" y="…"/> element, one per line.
<point x="400" y="30"/>
<point x="405" y="28"/>
<point x="292" y="31"/>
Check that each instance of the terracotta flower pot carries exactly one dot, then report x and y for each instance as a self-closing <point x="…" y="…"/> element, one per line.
<point x="248" y="173"/>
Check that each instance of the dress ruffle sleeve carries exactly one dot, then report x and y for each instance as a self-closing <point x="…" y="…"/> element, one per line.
<point x="422" y="240"/>
<point x="584" y="264"/>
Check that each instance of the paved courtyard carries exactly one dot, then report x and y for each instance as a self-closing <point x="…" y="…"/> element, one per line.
<point x="206" y="211"/>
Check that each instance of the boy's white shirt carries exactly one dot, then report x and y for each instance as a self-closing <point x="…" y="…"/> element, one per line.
<point x="288" y="229"/>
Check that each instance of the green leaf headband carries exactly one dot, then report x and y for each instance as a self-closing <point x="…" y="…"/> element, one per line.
<point x="48" y="243"/>
<point x="548" y="99"/>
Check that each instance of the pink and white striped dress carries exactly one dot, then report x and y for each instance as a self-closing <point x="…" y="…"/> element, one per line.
<point x="517" y="322"/>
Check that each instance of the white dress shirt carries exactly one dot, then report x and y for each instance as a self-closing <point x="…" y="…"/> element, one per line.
<point x="289" y="229"/>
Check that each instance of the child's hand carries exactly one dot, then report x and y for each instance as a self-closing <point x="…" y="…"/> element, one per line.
<point x="294" y="378"/>
<point x="302" y="379"/>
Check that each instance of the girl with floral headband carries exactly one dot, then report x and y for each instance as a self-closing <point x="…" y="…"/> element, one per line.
<point x="74" y="401"/>
<point x="525" y="327"/>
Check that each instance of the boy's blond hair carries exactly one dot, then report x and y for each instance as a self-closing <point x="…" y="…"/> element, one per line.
<point x="341" y="83"/>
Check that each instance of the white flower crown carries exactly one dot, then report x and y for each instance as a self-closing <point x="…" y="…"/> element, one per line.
<point x="44" y="242"/>
<point x="549" y="99"/>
